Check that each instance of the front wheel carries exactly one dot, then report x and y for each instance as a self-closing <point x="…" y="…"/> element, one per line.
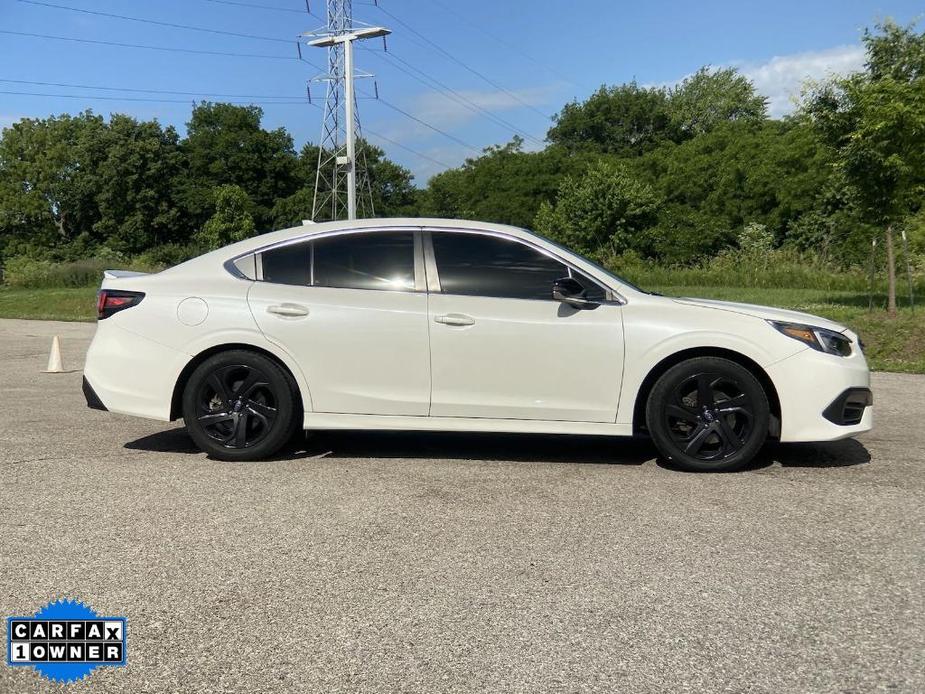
<point x="240" y="405"/>
<point x="708" y="414"/>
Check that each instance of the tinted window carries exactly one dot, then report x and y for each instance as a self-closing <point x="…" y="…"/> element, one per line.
<point x="366" y="261"/>
<point x="593" y="290"/>
<point x="481" y="265"/>
<point x="288" y="265"/>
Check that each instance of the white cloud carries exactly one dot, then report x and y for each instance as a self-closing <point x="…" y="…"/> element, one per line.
<point x="781" y="78"/>
<point x="447" y="113"/>
<point x="447" y="109"/>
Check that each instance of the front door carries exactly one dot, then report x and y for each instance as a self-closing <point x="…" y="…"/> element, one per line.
<point x="349" y="309"/>
<point x="501" y="347"/>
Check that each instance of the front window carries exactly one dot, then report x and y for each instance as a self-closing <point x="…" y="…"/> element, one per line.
<point x="482" y="265"/>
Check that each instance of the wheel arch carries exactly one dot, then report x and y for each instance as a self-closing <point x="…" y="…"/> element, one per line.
<point x="176" y="400"/>
<point x="642" y="395"/>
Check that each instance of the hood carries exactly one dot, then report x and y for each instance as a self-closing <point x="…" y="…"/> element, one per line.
<point x="765" y="312"/>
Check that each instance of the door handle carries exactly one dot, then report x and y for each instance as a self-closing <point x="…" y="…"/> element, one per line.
<point x="455" y="319"/>
<point x="288" y="310"/>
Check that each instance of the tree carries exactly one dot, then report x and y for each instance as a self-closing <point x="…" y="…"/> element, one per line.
<point x="710" y="97"/>
<point x="623" y="120"/>
<point x="226" y="144"/>
<point x="604" y="211"/>
<point x="136" y="187"/>
<point x="769" y="172"/>
<point x="391" y="185"/>
<point x="47" y="187"/>
<point x="505" y="185"/>
<point x="232" y="221"/>
<point x="875" y="123"/>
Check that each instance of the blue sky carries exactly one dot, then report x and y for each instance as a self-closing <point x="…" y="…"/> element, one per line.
<point x="536" y="55"/>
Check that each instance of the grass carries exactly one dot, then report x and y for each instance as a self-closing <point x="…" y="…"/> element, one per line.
<point x="891" y="345"/>
<point x="72" y="304"/>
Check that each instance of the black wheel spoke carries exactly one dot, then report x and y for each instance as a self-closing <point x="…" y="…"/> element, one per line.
<point x="217" y="384"/>
<point x="704" y="391"/>
<point x="730" y="439"/>
<point x="239" y="435"/>
<point x="699" y="437"/>
<point x="215" y="417"/>
<point x="264" y="414"/>
<point x="681" y="412"/>
<point x="252" y="380"/>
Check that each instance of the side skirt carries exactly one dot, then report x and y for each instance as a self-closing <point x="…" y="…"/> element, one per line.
<point x="319" y="420"/>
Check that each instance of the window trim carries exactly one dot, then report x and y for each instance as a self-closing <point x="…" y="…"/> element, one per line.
<point x="309" y="238"/>
<point x="433" y="275"/>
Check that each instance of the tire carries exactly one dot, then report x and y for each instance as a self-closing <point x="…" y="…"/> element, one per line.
<point x="240" y="405"/>
<point x="708" y="414"/>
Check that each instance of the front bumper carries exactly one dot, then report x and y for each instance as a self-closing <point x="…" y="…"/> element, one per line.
<point x="821" y="396"/>
<point x="848" y="408"/>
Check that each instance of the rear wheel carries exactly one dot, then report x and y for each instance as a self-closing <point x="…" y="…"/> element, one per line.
<point x="240" y="405"/>
<point x="708" y="414"/>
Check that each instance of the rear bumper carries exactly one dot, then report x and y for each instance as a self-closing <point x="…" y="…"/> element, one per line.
<point x="93" y="400"/>
<point x="127" y="373"/>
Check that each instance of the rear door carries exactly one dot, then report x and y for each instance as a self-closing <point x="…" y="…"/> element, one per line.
<point x="501" y="347"/>
<point x="351" y="308"/>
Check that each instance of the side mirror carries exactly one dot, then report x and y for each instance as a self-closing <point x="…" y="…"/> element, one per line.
<point x="569" y="291"/>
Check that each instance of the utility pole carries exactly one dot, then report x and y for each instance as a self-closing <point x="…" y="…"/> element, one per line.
<point x="337" y="158"/>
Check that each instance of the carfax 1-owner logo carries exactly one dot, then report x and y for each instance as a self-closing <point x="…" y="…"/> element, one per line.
<point x="65" y="641"/>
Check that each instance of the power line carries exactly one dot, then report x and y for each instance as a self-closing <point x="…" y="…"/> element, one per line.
<point x="507" y="44"/>
<point x="151" y="91"/>
<point x="260" y="7"/>
<point x="148" y="47"/>
<point x="456" y="60"/>
<point x="156" y="22"/>
<point x="447" y="91"/>
<point x="408" y="149"/>
<point x="428" y="125"/>
<point x="144" y="99"/>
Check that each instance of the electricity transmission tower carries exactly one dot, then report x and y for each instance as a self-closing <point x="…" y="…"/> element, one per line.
<point x="341" y="174"/>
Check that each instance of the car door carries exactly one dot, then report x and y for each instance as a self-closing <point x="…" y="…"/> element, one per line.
<point x="501" y="347"/>
<point x="351" y="308"/>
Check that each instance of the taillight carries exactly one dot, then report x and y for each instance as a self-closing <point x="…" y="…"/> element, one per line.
<point x="109" y="301"/>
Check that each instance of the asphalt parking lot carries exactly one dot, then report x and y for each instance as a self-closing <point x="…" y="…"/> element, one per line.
<point x="438" y="563"/>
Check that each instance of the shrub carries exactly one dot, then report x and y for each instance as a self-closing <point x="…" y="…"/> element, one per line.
<point x="23" y="271"/>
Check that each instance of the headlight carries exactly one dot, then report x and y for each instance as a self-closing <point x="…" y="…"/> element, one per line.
<point x="820" y="339"/>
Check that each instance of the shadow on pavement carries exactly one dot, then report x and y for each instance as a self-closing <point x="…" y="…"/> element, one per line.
<point x="511" y="447"/>
<point x="844" y="453"/>
<point x="435" y="445"/>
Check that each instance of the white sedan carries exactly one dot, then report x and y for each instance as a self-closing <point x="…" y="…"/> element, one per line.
<point x="448" y="325"/>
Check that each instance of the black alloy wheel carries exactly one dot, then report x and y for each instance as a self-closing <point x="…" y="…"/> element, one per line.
<point x="708" y="413"/>
<point x="237" y="407"/>
<point x="240" y="405"/>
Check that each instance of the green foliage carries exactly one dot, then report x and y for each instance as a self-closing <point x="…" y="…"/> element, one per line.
<point x="606" y="209"/>
<point x="505" y="185"/>
<point x="710" y="97"/>
<point x="391" y="186"/>
<point x="875" y="123"/>
<point x="624" y="120"/>
<point x="233" y="219"/>
<point x="226" y="145"/>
